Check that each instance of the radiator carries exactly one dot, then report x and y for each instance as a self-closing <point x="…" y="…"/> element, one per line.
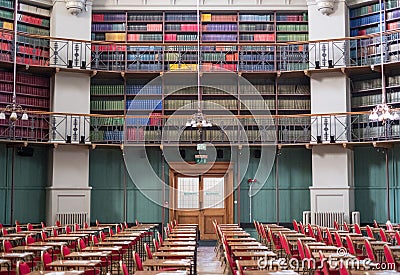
<point x="327" y="218"/>
<point x="72" y="218"/>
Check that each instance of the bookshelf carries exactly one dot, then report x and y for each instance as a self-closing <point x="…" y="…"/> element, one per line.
<point x="32" y="20"/>
<point x="33" y="94"/>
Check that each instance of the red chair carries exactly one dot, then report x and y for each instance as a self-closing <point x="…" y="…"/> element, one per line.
<point x="336" y="225"/>
<point x="55" y="232"/>
<point x="357" y="228"/>
<point x="119" y="230"/>
<point x="68" y="229"/>
<point x="310" y="231"/>
<point x="329" y="239"/>
<point x="239" y="270"/>
<point x="4" y="231"/>
<point x="389" y="226"/>
<point x="325" y="268"/>
<point x="296" y="226"/>
<point x="81" y="245"/>
<point x="382" y="234"/>
<point x="95" y="240"/>
<point x="102" y="236"/>
<point x="397" y="237"/>
<point x="85" y="225"/>
<point x="18" y="228"/>
<point x="65" y="251"/>
<point x="138" y="261"/>
<point x="290" y="252"/>
<point x="149" y="255"/>
<point x="43" y="236"/>
<point x="354" y="251"/>
<point x="370" y="251"/>
<point x="389" y="257"/>
<point x="97" y="223"/>
<point x="58" y="224"/>
<point x="160" y="239"/>
<point x="343" y="270"/>
<point x="7" y="246"/>
<point x="302" y="230"/>
<point x="124" y="268"/>
<point x="370" y="233"/>
<point x="338" y="240"/>
<point x="156" y="245"/>
<point x="231" y="263"/>
<point x="45" y="260"/>
<point x="77" y="227"/>
<point x="29" y="227"/>
<point x="43" y="224"/>
<point x="300" y="248"/>
<point x="29" y="239"/>
<point x="22" y="268"/>
<point x="346" y="227"/>
<point x="376" y="225"/>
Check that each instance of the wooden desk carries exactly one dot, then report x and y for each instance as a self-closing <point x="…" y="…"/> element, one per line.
<point x="31" y="248"/>
<point x="160" y="272"/>
<point x="180" y="239"/>
<point x="68" y="239"/>
<point x="16" y="256"/>
<point x="249" y="248"/>
<point x="240" y="239"/>
<point x="262" y="264"/>
<point x="174" y="254"/>
<point x="182" y="264"/>
<point x="266" y="272"/>
<point x="239" y="243"/>
<point x="254" y="254"/>
<point x="7" y="263"/>
<point x="75" y="264"/>
<point x="177" y="248"/>
<point x="179" y="243"/>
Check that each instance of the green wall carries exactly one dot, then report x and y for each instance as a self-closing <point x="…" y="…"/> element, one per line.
<point x="30" y="181"/>
<point x="370" y="183"/>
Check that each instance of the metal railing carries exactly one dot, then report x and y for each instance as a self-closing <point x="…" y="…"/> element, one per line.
<point x="297" y="129"/>
<point x="162" y="57"/>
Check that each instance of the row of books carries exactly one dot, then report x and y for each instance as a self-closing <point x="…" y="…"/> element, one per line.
<point x="145" y="27"/>
<point x="33" y="51"/>
<point x="256" y="67"/>
<point x="365" y="10"/>
<point x="33" y="10"/>
<point x="44" y="22"/>
<point x="144" y="89"/>
<point x="114" y="37"/>
<point x="111" y="105"/>
<point x="369" y="30"/>
<point x="219" y="37"/>
<point x="144" y="104"/>
<point x="291" y="37"/>
<point x="394" y="80"/>
<point x="256" y="27"/>
<point x="144" y="57"/>
<point x="247" y="104"/>
<point x="35" y="134"/>
<point x="366" y="100"/>
<point x="294" y="104"/>
<point x="182" y="27"/>
<point x="33" y="30"/>
<point x="391" y="4"/>
<point x="257" y="89"/>
<point x="218" y="66"/>
<point x="144" y="67"/>
<point x="107" y="121"/>
<point x="292" y="27"/>
<point x="25" y="79"/>
<point x="180" y="17"/>
<point x="268" y="37"/>
<point x="108" y="27"/>
<point x="144" y="37"/>
<point x="7" y="4"/>
<point x="294" y="89"/>
<point x="256" y="57"/>
<point x="6" y="25"/>
<point x="294" y="18"/>
<point x="370" y="19"/>
<point x="220" y="27"/>
<point x="6" y="14"/>
<point x="26" y="101"/>
<point x="295" y="66"/>
<point x="144" y="48"/>
<point x="366" y="84"/>
<point x="101" y="17"/>
<point x="180" y="57"/>
<point x="256" y="17"/>
<point x="180" y="37"/>
<point x="208" y="17"/>
<point x="393" y="25"/>
<point x="145" y="17"/>
<point x="393" y="14"/>
<point x="109" y="89"/>
<point x="206" y="57"/>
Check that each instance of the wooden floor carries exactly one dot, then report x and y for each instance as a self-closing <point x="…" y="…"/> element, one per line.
<point x="207" y="263"/>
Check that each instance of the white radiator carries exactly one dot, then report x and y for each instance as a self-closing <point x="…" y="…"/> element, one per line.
<point x="327" y="218"/>
<point x="72" y="218"/>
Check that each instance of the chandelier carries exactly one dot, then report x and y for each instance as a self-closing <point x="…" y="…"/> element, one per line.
<point x="198" y="120"/>
<point x="14" y="109"/>
<point x="383" y="112"/>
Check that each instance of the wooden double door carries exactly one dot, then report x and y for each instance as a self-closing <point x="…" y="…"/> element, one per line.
<point x="202" y="199"/>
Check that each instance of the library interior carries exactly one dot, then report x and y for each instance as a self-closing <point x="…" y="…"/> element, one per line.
<point x="201" y="137"/>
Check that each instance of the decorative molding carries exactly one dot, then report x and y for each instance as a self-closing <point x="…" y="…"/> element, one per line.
<point x="76" y="7"/>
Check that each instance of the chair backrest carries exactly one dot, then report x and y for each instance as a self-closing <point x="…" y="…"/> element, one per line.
<point x="95" y="240"/>
<point x="46" y="259"/>
<point x="397" y="237"/>
<point x="383" y="235"/>
<point x="320" y="237"/>
<point x="65" y="251"/>
<point x="284" y="243"/>
<point x="55" y="232"/>
<point x="156" y="244"/>
<point x="43" y="236"/>
<point x="388" y="254"/>
<point x="346" y="227"/>
<point x="7" y="246"/>
<point x="343" y="269"/>
<point x="336" y="225"/>
<point x="302" y="230"/>
<point x="111" y="232"/>
<point x="350" y="245"/>
<point x="138" y="261"/>
<point x="324" y="263"/>
<point x="307" y="252"/>
<point x="370" y="251"/>
<point x="160" y="239"/>
<point x="295" y="226"/>
<point x="97" y="222"/>
<point x="68" y="229"/>
<point x="239" y="268"/>
<point x="29" y="226"/>
<point x="166" y="230"/>
<point x="102" y="236"/>
<point x="230" y="262"/>
<point x="389" y="225"/>
<point x="310" y="231"/>
<point x="4" y="231"/>
<point x="18" y="228"/>
<point x="124" y="268"/>
<point x="148" y="251"/>
<point x="370" y="233"/>
<point x="22" y="268"/>
<point x="376" y="225"/>
<point x="43" y="225"/>
<point x="329" y="236"/>
<point x="300" y="247"/>
<point x="58" y="223"/>
<point x="29" y="239"/>
<point x="1" y="225"/>
<point x="357" y="228"/>
<point x="118" y="229"/>
<point x="338" y="240"/>
<point x="81" y="244"/>
<point x="77" y="227"/>
<point x="85" y="225"/>
<point x="136" y="222"/>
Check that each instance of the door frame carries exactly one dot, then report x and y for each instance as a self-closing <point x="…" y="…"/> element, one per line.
<point x="218" y="168"/>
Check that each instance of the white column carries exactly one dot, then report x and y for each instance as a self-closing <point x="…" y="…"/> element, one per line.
<point x="69" y="189"/>
<point x="332" y="165"/>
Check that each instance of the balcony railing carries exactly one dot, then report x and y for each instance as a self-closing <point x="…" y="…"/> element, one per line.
<point x="162" y="57"/>
<point x="296" y="129"/>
